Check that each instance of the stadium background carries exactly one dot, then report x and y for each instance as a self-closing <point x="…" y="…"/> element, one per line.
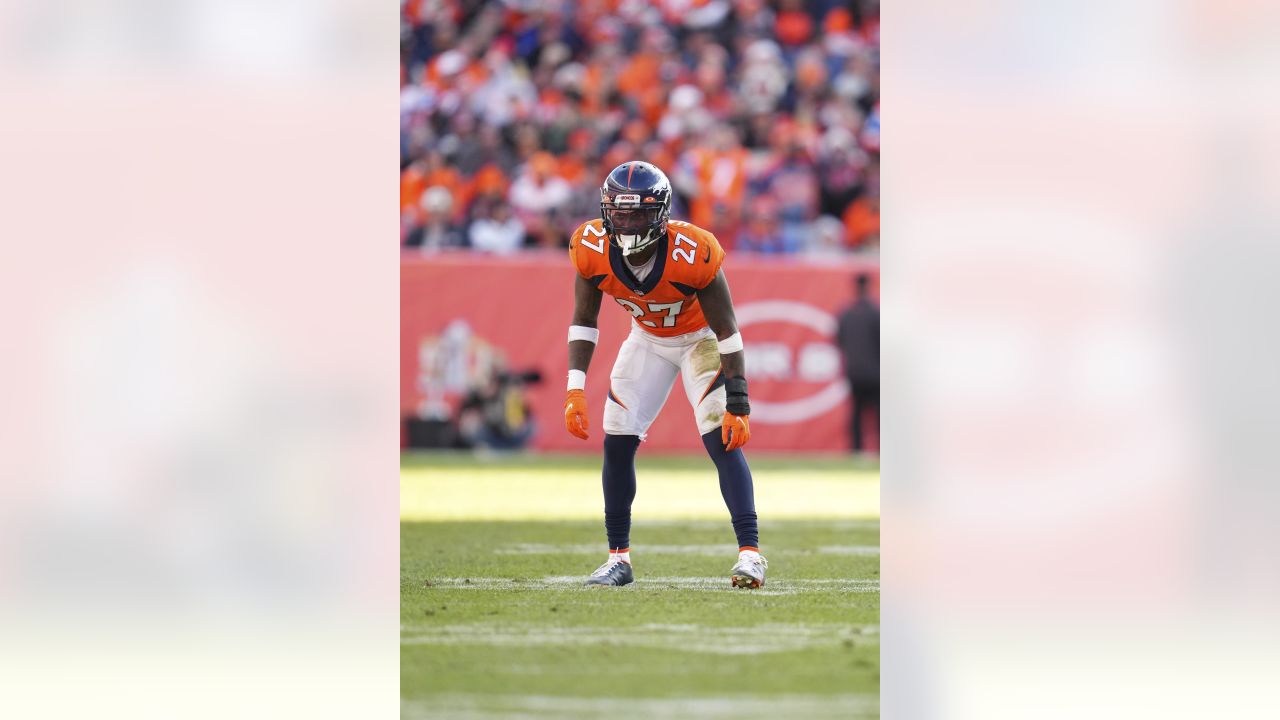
<point x="764" y="115"/>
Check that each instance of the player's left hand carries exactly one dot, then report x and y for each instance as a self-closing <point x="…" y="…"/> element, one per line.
<point x="735" y="431"/>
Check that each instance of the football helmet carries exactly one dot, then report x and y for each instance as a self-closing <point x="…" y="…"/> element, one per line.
<point x="635" y="203"/>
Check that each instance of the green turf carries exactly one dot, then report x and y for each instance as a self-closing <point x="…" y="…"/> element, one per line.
<point x="495" y="622"/>
<point x="534" y="487"/>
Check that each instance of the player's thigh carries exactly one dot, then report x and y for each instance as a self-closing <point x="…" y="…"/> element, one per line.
<point x="704" y="383"/>
<point x="639" y="384"/>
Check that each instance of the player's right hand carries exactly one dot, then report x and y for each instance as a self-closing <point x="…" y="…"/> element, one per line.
<point x="575" y="414"/>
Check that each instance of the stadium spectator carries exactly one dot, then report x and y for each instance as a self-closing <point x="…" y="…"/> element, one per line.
<point x="762" y="233"/>
<point x="712" y="177"/>
<point x="429" y="172"/>
<point x="825" y="238"/>
<point x="480" y="145"/>
<point x="791" y="179"/>
<point x="841" y="170"/>
<point x="862" y="222"/>
<point x="736" y="99"/>
<point x="437" y="231"/>
<point x="794" y="25"/>
<point x="489" y="185"/>
<point x="538" y="194"/>
<point x="495" y="229"/>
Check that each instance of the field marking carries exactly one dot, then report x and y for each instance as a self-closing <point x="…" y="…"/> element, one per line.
<point x="748" y="640"/>
<point x="814" y="522"/>
<point x="775" y="586"/>
<point x="725" y="550"/>
<point x="491" y="706"/>
<point x="859" y="550"/>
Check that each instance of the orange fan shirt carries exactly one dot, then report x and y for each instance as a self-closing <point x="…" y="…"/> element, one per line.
<point x="665" y="303"/>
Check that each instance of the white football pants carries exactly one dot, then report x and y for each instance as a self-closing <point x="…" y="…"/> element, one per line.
<point x="645" y="371"/>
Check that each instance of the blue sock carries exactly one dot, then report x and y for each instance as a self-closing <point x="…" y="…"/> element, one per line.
<point x="735" y="487"/>
<point x="619" y="479"/>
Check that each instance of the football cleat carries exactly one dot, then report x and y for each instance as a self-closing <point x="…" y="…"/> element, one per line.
<point x="749" y="572"/>
<point x="615" y="571"/>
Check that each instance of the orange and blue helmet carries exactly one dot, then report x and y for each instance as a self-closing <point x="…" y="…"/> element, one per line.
<point x="635" y="204"/>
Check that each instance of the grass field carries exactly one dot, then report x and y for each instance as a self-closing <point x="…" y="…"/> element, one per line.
<point x="495" y="621"/>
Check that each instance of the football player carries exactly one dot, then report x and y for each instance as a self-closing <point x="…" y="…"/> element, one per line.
<point x="666" y="274"/>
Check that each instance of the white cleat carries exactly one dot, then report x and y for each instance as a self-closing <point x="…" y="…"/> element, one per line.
<point x="749" y="572"/>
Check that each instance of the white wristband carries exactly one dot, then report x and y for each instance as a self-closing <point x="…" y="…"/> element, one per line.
<point x="577" y="380"/>
<point x="731" y="344"/>
<point x="582" y="332"/>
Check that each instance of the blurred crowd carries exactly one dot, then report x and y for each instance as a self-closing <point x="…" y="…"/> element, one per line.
<point x="765" y="115"/>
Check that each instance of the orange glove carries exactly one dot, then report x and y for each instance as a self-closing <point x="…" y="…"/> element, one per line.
<point x="735" y="431"/>
<point x="575" y="414"/>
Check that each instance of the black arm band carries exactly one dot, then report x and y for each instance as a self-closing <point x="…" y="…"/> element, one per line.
<point x="735" y="389"/>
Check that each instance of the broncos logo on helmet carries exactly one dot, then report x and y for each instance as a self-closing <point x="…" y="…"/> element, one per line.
<point x="635" y="204"/>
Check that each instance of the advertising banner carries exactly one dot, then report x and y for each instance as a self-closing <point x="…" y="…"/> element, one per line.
<point x="466" y="316"/>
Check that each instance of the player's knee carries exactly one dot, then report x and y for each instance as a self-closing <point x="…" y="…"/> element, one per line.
<point x="710" y="412"/>
<point x="618" y="421"/>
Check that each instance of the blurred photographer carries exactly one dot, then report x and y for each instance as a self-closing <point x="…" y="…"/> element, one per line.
<point x="496" y="415"/>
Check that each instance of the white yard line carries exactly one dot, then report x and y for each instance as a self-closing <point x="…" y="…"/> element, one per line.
<point x="541" y="707"/>
<point x="718" y="640"/>
<point x="708" y="550"/>
<point x="824" y="523"/>
<point x="860" y="550"/>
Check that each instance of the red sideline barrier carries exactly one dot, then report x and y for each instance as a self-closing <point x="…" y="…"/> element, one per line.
<point x="460" y="312"/>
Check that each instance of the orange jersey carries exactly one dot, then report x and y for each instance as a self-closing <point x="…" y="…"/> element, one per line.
<point x="665" y="303"/>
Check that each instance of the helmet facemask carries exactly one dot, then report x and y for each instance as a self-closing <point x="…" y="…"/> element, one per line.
<point x="631" y="224"/>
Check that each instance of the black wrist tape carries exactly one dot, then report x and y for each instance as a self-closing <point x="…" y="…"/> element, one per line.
<point x="735" y="389"/>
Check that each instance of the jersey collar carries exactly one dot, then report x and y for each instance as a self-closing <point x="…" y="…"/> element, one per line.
<point x="623" y="272"/>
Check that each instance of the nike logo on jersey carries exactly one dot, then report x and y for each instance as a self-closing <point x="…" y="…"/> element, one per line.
<point x="707" y="259"/>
